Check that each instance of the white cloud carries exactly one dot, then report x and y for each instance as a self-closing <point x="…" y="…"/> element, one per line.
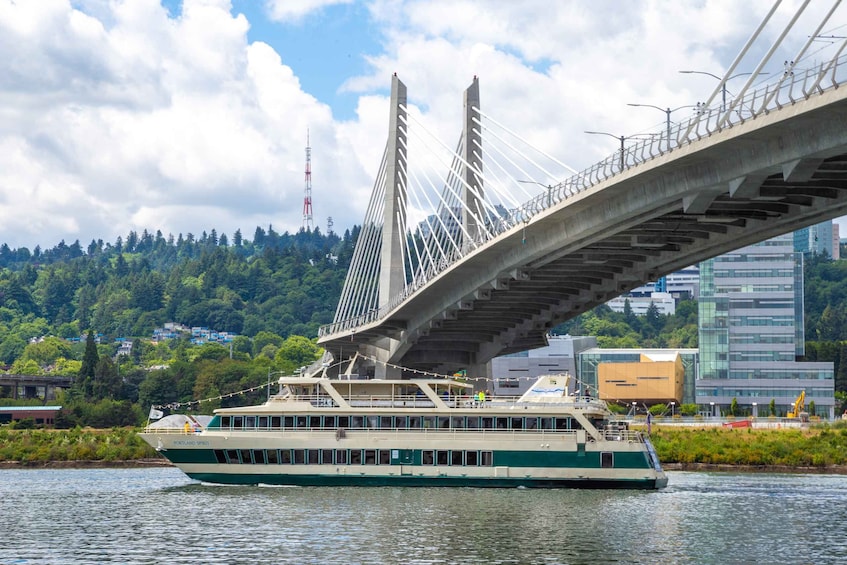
<point x="293" y="11"/>
<point x="149" y="122"/>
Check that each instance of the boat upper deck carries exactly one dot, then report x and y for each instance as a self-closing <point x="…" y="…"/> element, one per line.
<point x="304" y="394"/>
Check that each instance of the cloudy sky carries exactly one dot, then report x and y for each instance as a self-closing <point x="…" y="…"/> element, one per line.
<point x="188" y="115"/>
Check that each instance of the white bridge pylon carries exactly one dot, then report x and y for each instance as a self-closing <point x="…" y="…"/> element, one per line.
<point x="432" y="205"/>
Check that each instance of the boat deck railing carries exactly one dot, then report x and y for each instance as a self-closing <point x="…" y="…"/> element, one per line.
<point x="432" y="433"/>
<point x="452" y="401"/>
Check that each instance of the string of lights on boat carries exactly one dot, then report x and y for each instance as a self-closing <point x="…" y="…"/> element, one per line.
<point x="172" y="406"/>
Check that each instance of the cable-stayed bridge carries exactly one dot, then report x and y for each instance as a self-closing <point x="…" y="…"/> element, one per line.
<point x="486" y="259"/>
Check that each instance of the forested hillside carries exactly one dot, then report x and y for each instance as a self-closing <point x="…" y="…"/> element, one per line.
<point x="280" y="283"/>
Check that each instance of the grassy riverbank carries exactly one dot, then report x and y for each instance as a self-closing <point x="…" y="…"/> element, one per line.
<point x="818" y="448"/>
<point x="39" y="446"/>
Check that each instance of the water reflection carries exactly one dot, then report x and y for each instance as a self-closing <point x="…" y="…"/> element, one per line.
<point x="159" y="516"/>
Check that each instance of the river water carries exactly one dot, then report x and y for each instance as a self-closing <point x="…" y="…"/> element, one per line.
<point x="160" y="516"/>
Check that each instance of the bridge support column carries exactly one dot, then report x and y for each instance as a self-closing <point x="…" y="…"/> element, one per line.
<point x="472" y="154"/>
<point x="391" y="272"/>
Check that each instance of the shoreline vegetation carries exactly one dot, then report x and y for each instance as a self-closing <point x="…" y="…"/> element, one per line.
<point x="817" y="449"/>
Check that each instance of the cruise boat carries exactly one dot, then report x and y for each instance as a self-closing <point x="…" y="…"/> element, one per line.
<point x="427" y="432"/>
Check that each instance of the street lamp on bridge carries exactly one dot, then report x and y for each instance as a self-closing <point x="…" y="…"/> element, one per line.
<point x="622" y="139"/>
<point x="667" y="112"/>
<point x="722" y="80"/>
<point x="549" y="188"/>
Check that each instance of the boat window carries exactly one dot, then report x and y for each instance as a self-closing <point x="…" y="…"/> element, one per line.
<point x="300" y="421"/>
<point x="225" y="422"/>
<point x="427" y="457"/>
<point x="458" y="422"/>
<point x="576" y="425"/>
<point x="250" y="422"/>
<point x="285" y="457"/>
<point x="472" y="458"/>
<point x="314" y="456"/>
<point x="384" y="457"/>
<point x="355" y="457"/>
<point x="456" y="458"/>
<point x="219" y="456"/>
<point x="298" y="456"/>
<point x="401" y="422"/>
<point x="546" y="423"/>
<point x="326" y="456"/>
<point x="273" y="457"/>
<point x="607" y="459"/>
<point x="531" y="423"/>
<point x="563" y="423"/>
<point x="315" y="422"/>
<point x="259" y="456"/>
<point x="429" y="422"/>
<point x="442" y="457"/>
<point x="341" y="457"/>
<point x="246" y="456"/>
<point x="385" y="422"/>
<point x="370" y="457"/>
<point x="414" y="422"/>
<point x="356" y="421"/>
<point x="238" y="422"/>
<point x="444" y="422"/>
<point x="486" y="458"/>
<point x="263" y="422"/>
<point x="473" y="422"/>
<point x="502" y="423"/>
<point x="487" y="423"/>
<point x="232" y="456"/>
<point x="276" y="422"/>
<point x="517" y="423"/>
<point x="329" y="422"/>
<point x="372" y="422"/>
<point x="344" y="421"/>
<point x="288" y="422"/>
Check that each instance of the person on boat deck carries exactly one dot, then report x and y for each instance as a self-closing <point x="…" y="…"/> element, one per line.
<point x="187" y="427"/>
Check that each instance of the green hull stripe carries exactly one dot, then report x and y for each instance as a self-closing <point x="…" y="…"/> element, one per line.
<point x="514" y="459"/>
<point x="416" y="481"/>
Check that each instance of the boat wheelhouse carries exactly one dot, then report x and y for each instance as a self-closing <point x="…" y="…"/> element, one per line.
<point x="429" y="432"/>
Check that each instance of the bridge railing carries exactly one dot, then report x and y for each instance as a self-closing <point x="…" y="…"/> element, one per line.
<point x="795" y="85"/>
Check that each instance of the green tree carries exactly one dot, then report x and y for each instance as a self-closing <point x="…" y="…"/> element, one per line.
<point x="297" y="351"/>
<point x="89" y="365"/>
<point x="107" y="381"/>
<point x="772" y="407"/>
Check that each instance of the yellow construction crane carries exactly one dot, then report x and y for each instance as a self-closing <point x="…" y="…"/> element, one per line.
<point x="799" y="406"/>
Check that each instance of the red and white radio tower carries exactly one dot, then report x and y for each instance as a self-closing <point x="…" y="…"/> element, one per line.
<point x="307" y="196"/>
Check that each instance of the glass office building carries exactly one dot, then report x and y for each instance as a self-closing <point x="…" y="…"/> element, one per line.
<point x="815" y="240"/>
<point x="751" y="333"/>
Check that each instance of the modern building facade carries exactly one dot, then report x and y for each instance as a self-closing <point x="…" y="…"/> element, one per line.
<point x="663" y="301"/>
<point x="513" y="374"/>
<point x="647" y="376"/>
<point x="751" y="333"/>
<point x="682" y="284"/>
<point x="816" y="240"/>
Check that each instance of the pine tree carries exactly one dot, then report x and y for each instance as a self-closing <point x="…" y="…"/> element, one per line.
<point x="841" y="374"/>
<point x="89" y="365"/>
